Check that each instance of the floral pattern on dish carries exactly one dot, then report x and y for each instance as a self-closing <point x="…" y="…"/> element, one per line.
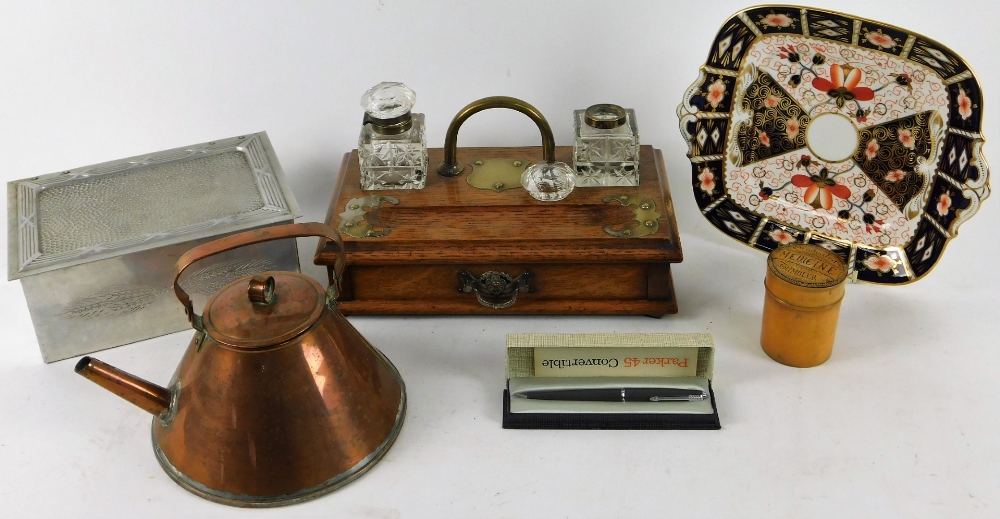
<point x="887" y="177"/>
<point x="873" y="197"/>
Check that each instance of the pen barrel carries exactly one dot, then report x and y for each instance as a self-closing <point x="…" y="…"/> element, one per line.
<point x="582" y="395"/>
<point x="631" y="394"/>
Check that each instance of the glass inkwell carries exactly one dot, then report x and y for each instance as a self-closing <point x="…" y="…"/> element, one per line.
<point x="606" y="150"/>
<point x="392" y="147"/>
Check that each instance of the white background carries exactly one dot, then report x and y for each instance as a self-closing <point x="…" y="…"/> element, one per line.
<point x="901" y="422"/>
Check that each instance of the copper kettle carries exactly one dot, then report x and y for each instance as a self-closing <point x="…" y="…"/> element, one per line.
<point x="278" y="399"/>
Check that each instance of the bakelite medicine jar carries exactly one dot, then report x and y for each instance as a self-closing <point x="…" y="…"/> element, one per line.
<point x="803" y="288"/>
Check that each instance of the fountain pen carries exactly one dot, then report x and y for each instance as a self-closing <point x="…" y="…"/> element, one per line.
<point x="625" y="394"/>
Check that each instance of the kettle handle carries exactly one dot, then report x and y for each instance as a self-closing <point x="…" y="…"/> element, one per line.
<point x="277" y="232"/>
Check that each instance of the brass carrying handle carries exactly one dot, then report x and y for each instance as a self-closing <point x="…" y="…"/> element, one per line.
<point x="452" y="168"/>
<point x="277" y="232"/>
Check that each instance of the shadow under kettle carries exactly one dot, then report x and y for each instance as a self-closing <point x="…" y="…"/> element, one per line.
<point x="278" y="399"/>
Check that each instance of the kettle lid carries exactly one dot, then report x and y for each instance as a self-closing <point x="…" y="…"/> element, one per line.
<point x="264" y="310"/>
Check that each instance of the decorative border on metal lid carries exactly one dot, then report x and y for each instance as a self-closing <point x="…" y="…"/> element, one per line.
<point x="25" y="256"/>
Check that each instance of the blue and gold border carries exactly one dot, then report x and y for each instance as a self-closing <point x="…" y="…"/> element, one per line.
<point x="962" y="172"/>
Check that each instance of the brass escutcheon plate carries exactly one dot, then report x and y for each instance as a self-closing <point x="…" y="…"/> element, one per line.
<point x="497" y="174"/>
<point x="645" y="217"/>
<point x="353" y="222"/>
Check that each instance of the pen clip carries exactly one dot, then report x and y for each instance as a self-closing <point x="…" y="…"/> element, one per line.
<point x="689" y="398"/>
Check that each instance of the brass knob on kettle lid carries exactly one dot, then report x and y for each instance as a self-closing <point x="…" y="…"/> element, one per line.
<point x="260" y="290"/>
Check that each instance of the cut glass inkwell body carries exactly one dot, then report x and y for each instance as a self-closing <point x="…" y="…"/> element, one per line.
<point x="606" y="150"/>
<point x="392" y="148"/>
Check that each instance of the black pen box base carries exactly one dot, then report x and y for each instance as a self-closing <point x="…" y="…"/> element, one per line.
<point x="611" y="421"/>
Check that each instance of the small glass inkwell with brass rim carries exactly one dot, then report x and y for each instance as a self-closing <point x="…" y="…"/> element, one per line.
<point x="804" y="287"/>
<point x="392" y="148"/>
<point x="606" y="150"/>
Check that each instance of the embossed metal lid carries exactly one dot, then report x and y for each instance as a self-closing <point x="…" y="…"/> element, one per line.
<point x="249" y="314"/>
<point x="144" y="202"/>
<point x="806" y="265"/>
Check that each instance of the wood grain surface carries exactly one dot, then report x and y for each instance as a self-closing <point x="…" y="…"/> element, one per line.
<point x="450" y="226"/>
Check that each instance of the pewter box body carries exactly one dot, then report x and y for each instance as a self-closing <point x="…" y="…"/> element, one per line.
<point x="94" y="247"/>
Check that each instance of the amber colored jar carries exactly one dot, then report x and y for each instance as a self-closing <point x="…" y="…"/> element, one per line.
<point x="803" y="290"/>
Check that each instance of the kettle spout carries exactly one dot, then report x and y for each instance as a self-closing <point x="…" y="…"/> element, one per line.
<point x="146" y="395"/>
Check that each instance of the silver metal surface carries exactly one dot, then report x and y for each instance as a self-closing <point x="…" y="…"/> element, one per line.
<point x="144" y="202"/>
<point x="95" y="246"/>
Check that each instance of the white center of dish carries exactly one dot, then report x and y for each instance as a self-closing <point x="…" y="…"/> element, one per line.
<point x="832" y="137"/>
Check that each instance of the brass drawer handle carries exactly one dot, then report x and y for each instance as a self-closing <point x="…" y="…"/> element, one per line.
<point x="495" y="289"/>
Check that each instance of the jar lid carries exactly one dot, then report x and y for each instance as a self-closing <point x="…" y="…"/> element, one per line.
<point x="264" y="310"/>
<point x="807" y="265"/>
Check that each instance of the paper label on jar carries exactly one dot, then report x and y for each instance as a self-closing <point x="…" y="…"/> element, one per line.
<point x="807" y="265"/>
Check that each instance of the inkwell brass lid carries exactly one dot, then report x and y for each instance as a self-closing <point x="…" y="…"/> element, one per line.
<point x="605" y="116"/>
<point x="805" y="274"/>
<point x="264" y="310"/>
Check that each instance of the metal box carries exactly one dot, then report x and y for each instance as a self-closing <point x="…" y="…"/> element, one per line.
<point x="94" y="247"/>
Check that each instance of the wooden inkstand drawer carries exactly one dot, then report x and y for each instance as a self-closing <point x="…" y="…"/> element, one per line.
<point x="452" y="248"/>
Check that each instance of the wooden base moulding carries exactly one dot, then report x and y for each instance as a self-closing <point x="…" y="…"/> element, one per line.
<point x="578" y="265"/>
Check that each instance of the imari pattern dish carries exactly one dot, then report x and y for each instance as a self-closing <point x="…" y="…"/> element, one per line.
<point x="813" y="126"/>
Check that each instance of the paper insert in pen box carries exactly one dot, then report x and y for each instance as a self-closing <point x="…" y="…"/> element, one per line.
<point x="594" y="369"/>
<point x="95" y="246"/>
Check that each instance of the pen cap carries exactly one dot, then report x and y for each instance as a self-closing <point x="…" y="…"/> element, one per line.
<point x="803" y="289"/>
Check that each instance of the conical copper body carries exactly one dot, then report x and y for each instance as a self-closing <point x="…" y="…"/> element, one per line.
<point x="269" y="423"/>
<point x="281" y="425"/>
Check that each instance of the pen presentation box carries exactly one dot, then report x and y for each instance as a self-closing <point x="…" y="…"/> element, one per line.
<point x="451" y="248"/>
<point x="573" y="381"/>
